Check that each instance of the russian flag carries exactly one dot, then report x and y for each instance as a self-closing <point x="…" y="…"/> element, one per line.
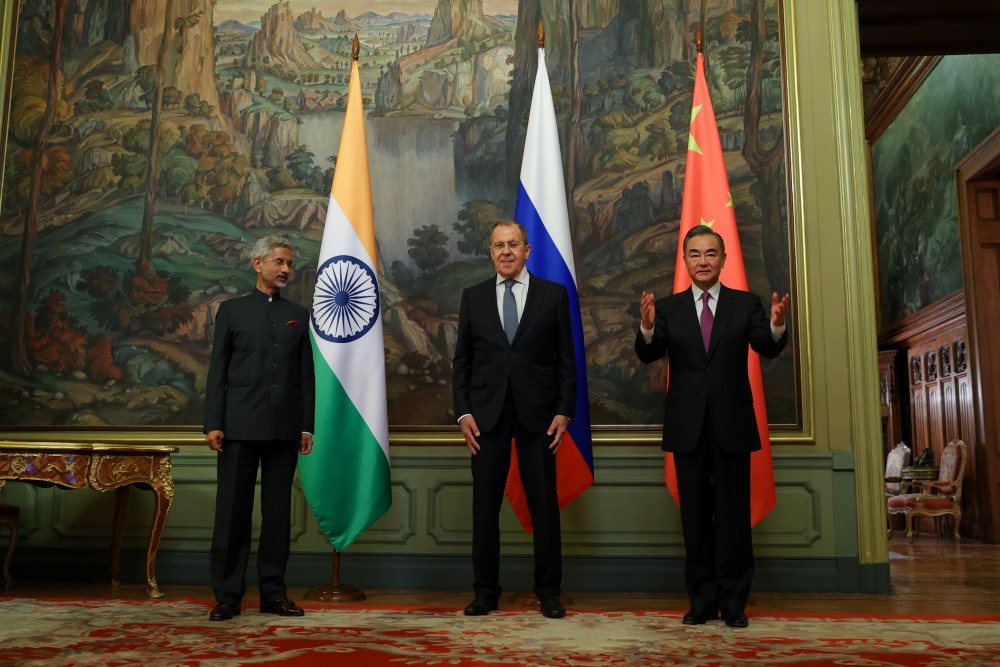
<point x="541" y="208"/>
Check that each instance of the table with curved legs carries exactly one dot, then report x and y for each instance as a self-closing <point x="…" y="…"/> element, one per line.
<point x="103" y="467"/>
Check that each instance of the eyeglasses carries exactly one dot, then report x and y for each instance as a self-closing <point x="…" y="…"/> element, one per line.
<point x="281" y="263"/>
<point x="513" y="246"/>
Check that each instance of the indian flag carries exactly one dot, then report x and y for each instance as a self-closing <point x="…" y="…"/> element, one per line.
<point x="346" y="478"/>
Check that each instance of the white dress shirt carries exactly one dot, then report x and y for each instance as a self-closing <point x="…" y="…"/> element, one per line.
<point x="520" y="290"/>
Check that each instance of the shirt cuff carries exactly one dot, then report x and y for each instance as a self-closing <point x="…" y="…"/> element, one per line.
<point x="647" y="334"/>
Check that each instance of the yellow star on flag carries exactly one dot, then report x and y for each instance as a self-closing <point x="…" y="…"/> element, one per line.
<point x="692" y="144"/>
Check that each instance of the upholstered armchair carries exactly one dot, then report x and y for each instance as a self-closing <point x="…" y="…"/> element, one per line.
<point x="9" y="517"/>
<point x="940" y="498"/>
<point x="898" y="458"/>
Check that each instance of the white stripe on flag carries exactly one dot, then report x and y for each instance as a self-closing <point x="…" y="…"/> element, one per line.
<point x="541" y="176"/>
<point x="353" y="362"/>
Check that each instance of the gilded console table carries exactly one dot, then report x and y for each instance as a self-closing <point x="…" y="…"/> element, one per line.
<point x="102" y="467"/>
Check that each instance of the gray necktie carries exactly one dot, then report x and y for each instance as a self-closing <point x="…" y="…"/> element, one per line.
<point x="509" y="310"/>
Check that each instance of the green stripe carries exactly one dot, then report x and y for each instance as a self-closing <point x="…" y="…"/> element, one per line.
<point x="346" y="478"/>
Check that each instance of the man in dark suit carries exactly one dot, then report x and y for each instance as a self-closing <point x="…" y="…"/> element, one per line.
<point x="514" y="377"/>
<point x="258" y="412"/>
<point x="709" y="422"/>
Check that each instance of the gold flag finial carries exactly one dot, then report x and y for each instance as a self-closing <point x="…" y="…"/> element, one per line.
<point x="541" y="34"/>
<point x="356" y="48"/>
<point x="698" y="42"/>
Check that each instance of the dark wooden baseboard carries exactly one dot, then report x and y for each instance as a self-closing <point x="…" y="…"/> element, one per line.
<point x="426" y="572"/>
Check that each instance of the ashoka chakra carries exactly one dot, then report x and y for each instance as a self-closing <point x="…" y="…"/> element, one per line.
<point x="345" y="305"/>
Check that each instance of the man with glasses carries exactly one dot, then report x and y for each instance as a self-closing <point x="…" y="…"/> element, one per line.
<point x="258" y="412"/>
<point x="514" y="377"/>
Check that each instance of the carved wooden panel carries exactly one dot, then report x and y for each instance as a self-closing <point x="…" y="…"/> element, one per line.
<point x="930" y="366"/>
<point x="918" y="418"/>
<point x="942" y="396"/>
<point x="110" y="472"/>
<point x="967" y="432"/>
<point x="950" y="410"/>
<point x="966" y="411"/>
<point x="935" y="421"/>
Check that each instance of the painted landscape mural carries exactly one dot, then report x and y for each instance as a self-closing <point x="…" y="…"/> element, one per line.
<point x="150" y="142"/>
<point x="913" y="167"/>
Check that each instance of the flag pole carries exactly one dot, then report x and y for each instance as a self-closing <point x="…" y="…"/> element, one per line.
<point x="336" y="591"/>
<point x="528" y="598"/>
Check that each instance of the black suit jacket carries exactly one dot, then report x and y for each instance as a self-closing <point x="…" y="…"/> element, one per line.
<point x="260" y="381"/>
<point x="718" y="377"/>
<point x="538" y="365"/>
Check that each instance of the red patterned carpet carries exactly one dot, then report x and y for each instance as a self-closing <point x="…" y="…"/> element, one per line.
<point x="177" y="632"/>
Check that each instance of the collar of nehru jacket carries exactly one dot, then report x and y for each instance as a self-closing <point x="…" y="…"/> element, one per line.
<point x="265" y="296"/>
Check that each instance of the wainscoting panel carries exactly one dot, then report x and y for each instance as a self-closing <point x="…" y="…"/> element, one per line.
<point x="625" y="519"/>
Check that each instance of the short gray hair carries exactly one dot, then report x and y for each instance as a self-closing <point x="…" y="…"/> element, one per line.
<point x="265" y="245"/>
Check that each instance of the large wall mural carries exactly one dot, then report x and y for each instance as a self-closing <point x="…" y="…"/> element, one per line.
<point x="141" y="165"/>
<point x="913" y="169"/>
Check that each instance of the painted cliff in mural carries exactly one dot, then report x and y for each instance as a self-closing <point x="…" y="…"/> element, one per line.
<point x="149" y="143"/>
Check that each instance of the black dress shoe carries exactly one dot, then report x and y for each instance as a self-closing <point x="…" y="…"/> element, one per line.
<point x="699" y="616"/>
<point x="735" y="618"/>
<point x="283" y="607"/>
<point x="551" y="606"/>
<point x="224" y="611"/>
<point x="482" y="605"/>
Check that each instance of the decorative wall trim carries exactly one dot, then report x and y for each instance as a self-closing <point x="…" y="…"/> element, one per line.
<point x="927" y="322"/>
<point x="898" y="90"/>
<point x="404" y="507"/>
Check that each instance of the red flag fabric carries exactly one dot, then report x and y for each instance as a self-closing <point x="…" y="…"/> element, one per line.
<point x="708" y="201"/>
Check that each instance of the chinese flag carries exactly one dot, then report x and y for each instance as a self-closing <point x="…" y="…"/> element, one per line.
<point x="708" y="201"/>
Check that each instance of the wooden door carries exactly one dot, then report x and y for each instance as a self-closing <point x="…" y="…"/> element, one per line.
<point x="979" y="221"/>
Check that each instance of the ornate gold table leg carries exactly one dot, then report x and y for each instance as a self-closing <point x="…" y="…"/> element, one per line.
<point x="162" y="486"/>
<point x="121" y="509"/>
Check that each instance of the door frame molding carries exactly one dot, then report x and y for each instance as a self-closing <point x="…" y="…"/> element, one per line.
<point x="981" y="164"/>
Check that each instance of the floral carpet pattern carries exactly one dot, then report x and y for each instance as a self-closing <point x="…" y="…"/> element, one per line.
<point x="177" y="632"/>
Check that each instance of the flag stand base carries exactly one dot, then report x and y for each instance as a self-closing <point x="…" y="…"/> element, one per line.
<point x="529" y="599"/>
<point x="336" y="591"/>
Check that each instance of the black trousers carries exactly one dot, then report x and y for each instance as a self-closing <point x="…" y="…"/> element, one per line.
<point x="537" y="465"/>
<point x="714" y="489"/>
<point x="237" y="478"/>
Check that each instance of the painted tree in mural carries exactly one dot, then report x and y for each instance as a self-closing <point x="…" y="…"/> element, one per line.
<point x="162" y="96"/>
<point x="575" y="146"/>
<point x="519" y="100"/>
<point x="765" y="162"/>
<point x="144" y="262"/>
<point x="41" y="162"/>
